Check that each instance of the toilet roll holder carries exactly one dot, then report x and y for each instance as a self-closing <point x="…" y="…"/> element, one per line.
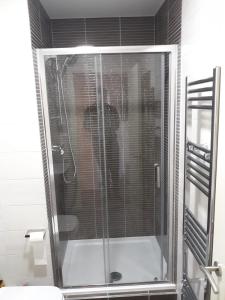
<point x="27" y="234"/>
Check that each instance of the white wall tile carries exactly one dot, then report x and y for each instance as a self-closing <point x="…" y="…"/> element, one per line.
<point x="3" y="266"/>
<point x="19" y="270"/>
<point x="22" y="204"/>
<point x="203" y="48"/>
<point x="23" y="192"/>
<point x="2" y="215"/>
<point x="20" y="165"/>
<point x="19" y="137"/>
<point x="26" y="217"/>
<point x="2" y="243"/>
<point x="14" y="243"/>
<point x="17" y="264"/>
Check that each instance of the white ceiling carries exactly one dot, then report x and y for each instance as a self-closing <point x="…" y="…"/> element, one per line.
<point x="62" y="9"/>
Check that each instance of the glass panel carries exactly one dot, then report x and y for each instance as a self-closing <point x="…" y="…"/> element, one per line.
<point x="108" y="118"/>
<point x="73" y="83"/>
<point x="134" y="96"/>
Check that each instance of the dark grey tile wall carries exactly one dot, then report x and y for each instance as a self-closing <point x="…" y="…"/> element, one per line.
<point x="164" y="28"/>
<point x="40" y="28"/>
<point x="40" y="38"/>
<point x="108" y="32"/>
<point x="168" y="31"/>
<point x="103" y="31"/>
<point x="40" y="25"/>
<point x="174" y="27"/>
<point x="161" y="24"/>
<point x="129" y="215"/>
<point x="168" y="23"/>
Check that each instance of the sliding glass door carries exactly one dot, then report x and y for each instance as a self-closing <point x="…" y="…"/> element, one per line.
<point x="134" y="99"/>
<point x="107" y="131"/>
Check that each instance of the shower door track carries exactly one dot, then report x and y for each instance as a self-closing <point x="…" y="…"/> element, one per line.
<point x="121" y="290"/>
<point x="175" y="213"/>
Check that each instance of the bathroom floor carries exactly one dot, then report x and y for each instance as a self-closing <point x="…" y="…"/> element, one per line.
<point x="136" y="259"/>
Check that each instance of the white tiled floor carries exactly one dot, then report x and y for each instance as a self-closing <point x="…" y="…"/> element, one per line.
<point x="138" y="259"/>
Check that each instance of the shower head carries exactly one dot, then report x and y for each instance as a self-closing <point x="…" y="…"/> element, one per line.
<point x="69" y="60"/>
<point x="72" y="59"/>
<point x="51" y="68"/>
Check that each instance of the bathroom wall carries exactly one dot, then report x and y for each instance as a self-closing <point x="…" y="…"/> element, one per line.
<point x="168" y="31"/>
<point x="163" y="29"/>
<point x="22" y="202"/>
<point x="168" y="23"/>
<point x="40" y="25"/>
<point x="40" y="29"/>
<point x="103" y="31"/>
<point x="203" y="48"/>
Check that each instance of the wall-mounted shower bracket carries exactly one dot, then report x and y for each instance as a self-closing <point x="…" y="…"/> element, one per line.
<point x="58" y="148"/>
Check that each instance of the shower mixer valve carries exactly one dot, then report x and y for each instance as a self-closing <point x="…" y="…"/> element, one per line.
<point x="58" y="148"/>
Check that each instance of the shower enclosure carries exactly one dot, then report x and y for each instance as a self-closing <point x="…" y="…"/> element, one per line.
<point x="109" y="129"/>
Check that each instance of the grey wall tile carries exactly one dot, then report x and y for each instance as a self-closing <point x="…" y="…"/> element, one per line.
<point x="102" y="24"/>
<point x="105" y="37"/>
<point x="162" y="29"/>
<point x="168" y="31"/>
<point x="174" y="27"/>
<point x="168" y="22"/>
<point x="68" y="25"/>
<point x="40" y="25"/>
<point x="135" y="37"/>
<point x="103" y="31"/>
<point x="161" y="24"/>
<point x="68" y="39"/>
<point x="140" y="24"/>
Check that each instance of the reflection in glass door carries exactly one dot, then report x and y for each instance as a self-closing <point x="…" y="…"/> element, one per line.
<point x="108" y="118"/>
<point x="133" y="94"/>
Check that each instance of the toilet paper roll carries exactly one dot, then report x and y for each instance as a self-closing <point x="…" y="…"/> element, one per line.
<point x="39" y="247"/>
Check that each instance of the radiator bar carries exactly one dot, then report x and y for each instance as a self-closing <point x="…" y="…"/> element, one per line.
<point x="188" y="292"/>
<point x="200" y="90"/>
<point x="201" y="240"/>
<point x="200" y="106"/>
<point x="199" y="163"/>
<point x="201" y="250"/>
<point x="199" y="155"/>
<point x="200" y="172"/>
<point x="198" y="147"/>
<point x="201" y="98"/>
<point x="201" y="229"/>
<point x="205" y="184"/>
<point x="198" y="186"/>
<point x="197" y="255"/>
<point x="209" y="79"/>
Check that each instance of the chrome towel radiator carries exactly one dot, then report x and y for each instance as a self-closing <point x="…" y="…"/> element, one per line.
<point x="200" y="175"/>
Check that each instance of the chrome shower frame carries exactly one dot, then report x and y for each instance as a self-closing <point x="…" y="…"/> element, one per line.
<point x="175" y="212"/>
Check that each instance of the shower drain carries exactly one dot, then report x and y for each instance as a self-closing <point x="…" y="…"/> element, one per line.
<point x="115" y="276"/>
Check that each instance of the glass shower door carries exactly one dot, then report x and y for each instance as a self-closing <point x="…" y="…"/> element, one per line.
<point x="136" y="131"/>
<point x="108" y="138"/>
<point x="77" y="138"/>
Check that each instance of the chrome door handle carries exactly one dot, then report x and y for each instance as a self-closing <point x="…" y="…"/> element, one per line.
<point x="157" y="175"/>
<point x="207" y="272"/>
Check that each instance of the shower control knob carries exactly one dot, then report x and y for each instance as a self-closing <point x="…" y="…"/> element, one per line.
<point x="58" y="148"/>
